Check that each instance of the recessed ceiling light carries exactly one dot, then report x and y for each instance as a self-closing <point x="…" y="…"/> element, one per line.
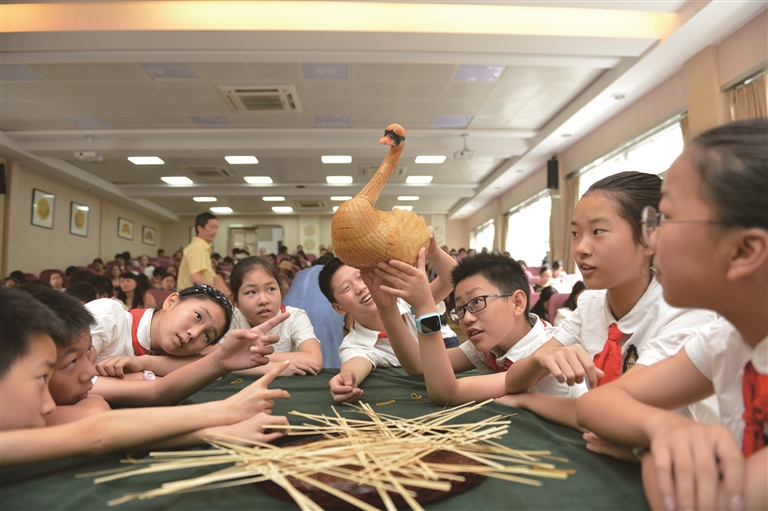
<point x="477" y="73"/>
<point x="221" y="209"/>
<point x="145" y="160"/>
<point x="204" y="199"/>
<point x="418" y="180"/>
<point x="323" y="71"/>
<point x="451" y="121"/>
<point x="335" y="209"/>
<point x="408" y="197"/>
<point x="169" y="70"/>
<point x="336" y="159"/>
<point x="341" y="198"/>
<point x="430" y="159"/>
<point x="619" y="96"/>
<point x="338" y="180"/>
<point x="282" y="209"/>
<point x="332" y="121"/>
<point x="177" y="180"/>
<point x="273" y="199"/>
<point x="566" y="135"/>
<point x="406" y="208"/>
<point x="241" y="160"/>
<point x="210" y="121"/>
<point x="258" y="180"/>
<point x="89" y="122"/>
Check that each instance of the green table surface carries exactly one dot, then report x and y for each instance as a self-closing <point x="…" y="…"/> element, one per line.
<point x="600" y="482"/>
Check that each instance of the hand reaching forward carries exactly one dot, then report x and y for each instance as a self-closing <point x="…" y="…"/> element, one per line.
<point x="117" y="366"/>
<point x="243" y="349"/>
<point x="569" y="364"/>
<point x="256" y="397"/>
<point x="406" y="282"/>
<point x="344" y="389"/>
<point x="255" y="429"/>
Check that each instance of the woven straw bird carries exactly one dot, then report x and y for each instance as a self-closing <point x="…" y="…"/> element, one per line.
<point x="361" y="235"/>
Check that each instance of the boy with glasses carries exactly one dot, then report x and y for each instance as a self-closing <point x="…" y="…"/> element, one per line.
<point x="491" y="294"/>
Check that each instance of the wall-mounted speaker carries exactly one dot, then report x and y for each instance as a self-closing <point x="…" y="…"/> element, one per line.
<point x="552" y="174"/>
<point x="2" y="178"/>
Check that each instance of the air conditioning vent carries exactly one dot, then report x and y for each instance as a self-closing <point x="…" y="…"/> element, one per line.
<point x="270" y="98"/>
<point x="311" y="204"/>
<point x="369" y="170"/>
<point x="206" y="171"/>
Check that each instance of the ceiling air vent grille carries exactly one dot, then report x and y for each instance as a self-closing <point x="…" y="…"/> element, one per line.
<point x="369" y="170"/>
<point x="311" y="205"/>
<point x="270" y="98"/>
<point x="206" y="171"/>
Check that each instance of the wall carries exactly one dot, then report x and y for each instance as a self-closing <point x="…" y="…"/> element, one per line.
<point x="743" y="52"/>
<point x="33" y="249"/>
<point x="111" y="243"/>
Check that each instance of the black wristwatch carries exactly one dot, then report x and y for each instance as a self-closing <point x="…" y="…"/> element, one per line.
<point x="429" y="323"/>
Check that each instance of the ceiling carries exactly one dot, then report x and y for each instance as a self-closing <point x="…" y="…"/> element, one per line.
<point x="146" y="79"/>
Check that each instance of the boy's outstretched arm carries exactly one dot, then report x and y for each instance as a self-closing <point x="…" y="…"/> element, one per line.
<point x="438" y="364"/>
<point x="91" y="405"/>
<point x="241" y="349"/>
<point x="117" y="430"/>
<point x="161" y="365"/>
<point x="345" y="385"/>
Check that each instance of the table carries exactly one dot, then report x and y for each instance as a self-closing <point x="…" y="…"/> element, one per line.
<point x="600" y="482"/>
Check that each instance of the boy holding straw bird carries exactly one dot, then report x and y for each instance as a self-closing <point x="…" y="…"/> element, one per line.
<point x="492" y="295"/>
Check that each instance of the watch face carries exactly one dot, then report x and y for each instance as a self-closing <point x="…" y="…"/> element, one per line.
<point x="430" y="324"/>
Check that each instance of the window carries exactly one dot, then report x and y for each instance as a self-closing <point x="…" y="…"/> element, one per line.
<point x="482" y="236"/>
<point x="528" y="229"/>
<point x="653" y="154"/>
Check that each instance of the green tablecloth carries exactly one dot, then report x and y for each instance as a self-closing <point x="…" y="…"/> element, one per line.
<point x="599" y="483"/>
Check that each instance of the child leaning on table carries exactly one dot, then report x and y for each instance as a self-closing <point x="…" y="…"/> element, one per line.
<point x="711" y="242"/>
<point x="27" y="359"/>
<point x="78" y="393"/>
<point x="492" y="311"/>
<point x="367" y="345"/>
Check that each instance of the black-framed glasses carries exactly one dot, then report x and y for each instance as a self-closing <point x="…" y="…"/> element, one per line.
<point x="652" y="219"/>
<point x="205" y="289"/>
<point x="474" y="306"/>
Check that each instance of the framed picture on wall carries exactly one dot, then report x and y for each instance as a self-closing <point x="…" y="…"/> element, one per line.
<point x="78" y="219"/>
<point x="124" y="229"/>
<point x="42" y="208"/>
<point x="148" y="235"/>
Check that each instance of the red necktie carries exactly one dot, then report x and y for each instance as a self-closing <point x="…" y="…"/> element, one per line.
<point x="754" y="389"/>
<point x="609" y="360"/>
<point x="493" y="366"/>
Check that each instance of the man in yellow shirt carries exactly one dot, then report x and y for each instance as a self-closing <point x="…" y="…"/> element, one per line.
<point x="196" y="266"/>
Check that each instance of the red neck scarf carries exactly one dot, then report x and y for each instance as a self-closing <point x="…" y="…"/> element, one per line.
<point x="754" y="389"/>
<point x="138" y="349"/>
<point x="609" y="360"/>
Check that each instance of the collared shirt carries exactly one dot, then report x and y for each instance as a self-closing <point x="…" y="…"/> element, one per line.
<point x="293" y="331"/>
<point x="650" y="319"/>
<point x="197" y="259"/>
<point x="719" y="351"/>
<point x="111" y="333"/>
<point x="366" y="343"/>
<point x="538" y="335"/>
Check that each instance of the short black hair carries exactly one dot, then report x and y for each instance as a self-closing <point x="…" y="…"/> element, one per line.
<point x="202" y="220"/>
<point x="326" y="276"/>
<point x="102" y="285"/>
<point x="82" y="290"/>
<point x="500" y="270"/>
<point x="68" y="309"/>
<point x="79" y="276"/>
<point x="22" y="317"/>
<point x="18" y="277"/>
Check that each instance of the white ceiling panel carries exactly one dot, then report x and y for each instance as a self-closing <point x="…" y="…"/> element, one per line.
<point x="95" y="78"/>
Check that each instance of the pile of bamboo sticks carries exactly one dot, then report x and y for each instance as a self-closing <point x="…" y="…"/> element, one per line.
<point x="383" y="451"/>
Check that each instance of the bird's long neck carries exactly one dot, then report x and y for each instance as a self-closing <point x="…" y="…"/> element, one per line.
<point x="371" y="191"/>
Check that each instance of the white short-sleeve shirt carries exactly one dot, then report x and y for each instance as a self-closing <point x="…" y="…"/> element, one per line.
<point x="362" y="342"/>
<point x="650" y="319"/>
<point x="719" y="351"/>
<point x="111" y="333"/>
<point x="293" y="331"/>
<point x="538" y="335"/>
